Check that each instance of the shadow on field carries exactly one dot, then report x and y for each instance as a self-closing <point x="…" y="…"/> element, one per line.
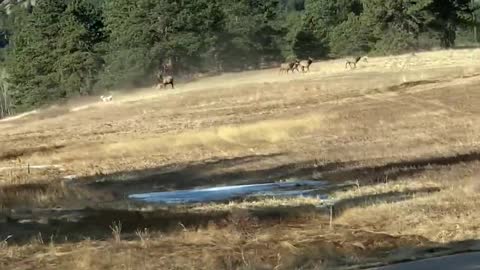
<point x="77" y="225"/>
<point x="401" y="169"/>
<point x="388" y="197"/>
<point x="408" y="85"/>
<point x="20" y="227"/>
<point x="101" y="191"/>
<point x="230" y="172"/>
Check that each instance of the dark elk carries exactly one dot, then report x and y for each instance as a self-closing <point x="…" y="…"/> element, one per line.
<point x="163" y="81"/>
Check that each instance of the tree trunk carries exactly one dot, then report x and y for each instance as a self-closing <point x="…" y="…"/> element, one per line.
<point x="448" y="36"/>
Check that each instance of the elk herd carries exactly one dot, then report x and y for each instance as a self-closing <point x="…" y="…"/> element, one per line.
<point x="162" y="81"/>
<point x="304" y="65"/>
<point x="297" y="65"/>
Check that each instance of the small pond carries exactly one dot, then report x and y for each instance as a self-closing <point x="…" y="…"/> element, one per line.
<point x="226" y="193"/>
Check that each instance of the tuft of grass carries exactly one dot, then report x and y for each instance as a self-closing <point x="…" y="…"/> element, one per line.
<point x="116" y="228"/>
<point x="144" y="237"/>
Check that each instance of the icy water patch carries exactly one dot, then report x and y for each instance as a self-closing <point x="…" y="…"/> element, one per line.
<point x="225" y="193"/>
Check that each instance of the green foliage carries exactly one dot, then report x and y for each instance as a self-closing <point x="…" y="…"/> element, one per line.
<point x="146" y="33"/>
<point x="252" y="31"/>
<point x="293" y="5"/>
<point x="54" y="56"/>
<point x="78" y="63"/>
<point x="449" y="16"/>
<point x="5" y="30"/>
<point x="351" y="37"/>
<point x="5" y="105"/>
<point x="395" y="24"/>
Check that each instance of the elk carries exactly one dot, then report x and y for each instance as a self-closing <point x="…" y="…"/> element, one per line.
<point x="305" y="64"/>
<point x="290" y="66"/>
<point x="106" y="98"/>
<point x="164" y="80"/>
<point x="354" y="61"/>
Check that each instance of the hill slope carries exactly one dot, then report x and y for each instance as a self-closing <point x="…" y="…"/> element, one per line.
<point x="404" y="129"/>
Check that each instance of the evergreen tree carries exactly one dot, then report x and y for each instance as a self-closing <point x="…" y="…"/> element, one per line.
<point x="79" y="62"/>
<point x="31" y="64"/>
<point x="62" y="48"/>
<point x="448" y="16"/>
<point x="144" y="34"/>
<point x="351" y="37"/>
<point x="53" y="55"/>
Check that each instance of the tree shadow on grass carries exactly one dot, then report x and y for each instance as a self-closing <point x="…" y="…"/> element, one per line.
<point x="382" y="198"/>
<point x="230" y="172"/>
<point x="95" y="222"/>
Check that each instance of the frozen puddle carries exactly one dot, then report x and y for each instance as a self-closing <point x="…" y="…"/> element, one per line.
<point x="225" y="193"/>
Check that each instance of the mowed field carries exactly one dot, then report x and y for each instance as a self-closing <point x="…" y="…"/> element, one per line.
<point x="404" y="129"/>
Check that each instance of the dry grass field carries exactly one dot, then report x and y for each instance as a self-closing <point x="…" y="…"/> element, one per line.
<point x="405" y="129"/>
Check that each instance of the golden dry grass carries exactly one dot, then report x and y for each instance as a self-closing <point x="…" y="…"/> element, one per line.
<point x="405" y="127"/>
<point x="445" y="216"/>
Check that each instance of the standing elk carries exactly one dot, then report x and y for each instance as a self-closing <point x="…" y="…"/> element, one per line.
<point x="163" y="81"/>
<point x="305" y="64"/>
<point x="290" y="66"/>
<point x="353" y="61"/>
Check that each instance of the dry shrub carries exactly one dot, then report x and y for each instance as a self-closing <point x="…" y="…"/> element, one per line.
<point x="33" y="195"/>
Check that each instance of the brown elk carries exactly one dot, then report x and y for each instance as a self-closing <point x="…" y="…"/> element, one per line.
<point x="353" y="61"/>
<point x="305" y="64"/>
<point x="290" y="66"/>
<point x="163" y="81"/>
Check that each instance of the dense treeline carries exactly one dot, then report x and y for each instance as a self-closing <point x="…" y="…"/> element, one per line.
<point x="62" y="48"/>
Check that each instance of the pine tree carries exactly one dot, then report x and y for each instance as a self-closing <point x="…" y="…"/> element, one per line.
<point x="79" y="62"/>
<point x="449" y="15"/>
<point x="144" y="34"/>
<point x="53" y="54"/>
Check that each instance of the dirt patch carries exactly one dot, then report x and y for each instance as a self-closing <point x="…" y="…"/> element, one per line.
<point x="407" y="85"/>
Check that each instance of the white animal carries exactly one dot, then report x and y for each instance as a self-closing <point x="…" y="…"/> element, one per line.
<point x="106" y="98"/>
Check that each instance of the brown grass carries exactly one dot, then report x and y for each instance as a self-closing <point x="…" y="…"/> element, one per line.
<point x="443" y="217"/>
<point x="406" y="128"/>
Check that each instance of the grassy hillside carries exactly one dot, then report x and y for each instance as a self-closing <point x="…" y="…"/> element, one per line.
<point x="403" y="130"/>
